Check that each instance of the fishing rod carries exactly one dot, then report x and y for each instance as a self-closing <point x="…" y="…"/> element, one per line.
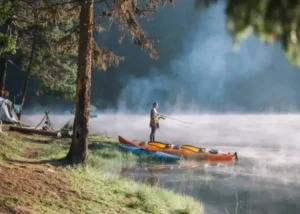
<point x="176" y="119"/>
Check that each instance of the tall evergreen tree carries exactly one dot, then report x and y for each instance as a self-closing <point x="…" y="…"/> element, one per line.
<point x="40" y="26"/>
<point x="7" y="39"/>
<point x="79" y="148"/>
<point x="125" y="14"/>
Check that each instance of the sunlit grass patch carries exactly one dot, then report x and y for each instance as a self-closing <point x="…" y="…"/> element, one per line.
<point x="130" y="197"/>
<point x="91" y="189"/>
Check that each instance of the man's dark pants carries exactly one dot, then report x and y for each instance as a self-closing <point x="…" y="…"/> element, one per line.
<point x="153" y="130"/>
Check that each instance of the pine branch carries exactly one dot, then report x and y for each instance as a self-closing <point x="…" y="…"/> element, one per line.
<point x="15" y="19"/>
<point x="98" y="27"/>
<point x="68" y="42"/>
<point x="107" y="5"/>
<point x="73" y="8"/>
<point x="11" y="62"/>
<point x="103" y="58"/>
<point x="126" y="14"/>
<point x="66" y="3"/>
<point x="60" y="4"/>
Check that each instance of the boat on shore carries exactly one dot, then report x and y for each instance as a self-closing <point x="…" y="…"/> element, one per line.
<point x="152" y="154"/>
<point x="186" y="151"/>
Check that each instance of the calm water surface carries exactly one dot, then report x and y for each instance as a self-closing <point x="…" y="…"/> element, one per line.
<point x="266" y="178"/>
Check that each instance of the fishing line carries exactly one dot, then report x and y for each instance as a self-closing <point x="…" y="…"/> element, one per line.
<point x="177" y="120"/>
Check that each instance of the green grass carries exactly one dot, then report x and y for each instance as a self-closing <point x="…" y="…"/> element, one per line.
<point x="90" y="189"/>
<point x="122" y="195"/>
<point x="10" y="147"/>
<point x="104" y="153"/>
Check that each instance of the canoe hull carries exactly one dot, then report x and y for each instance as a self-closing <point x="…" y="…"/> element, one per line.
<point x="181" y="152"/>
<point x="154" y="154"/>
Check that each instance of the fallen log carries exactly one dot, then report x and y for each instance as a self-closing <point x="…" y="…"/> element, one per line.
<point x="39" y="132"/>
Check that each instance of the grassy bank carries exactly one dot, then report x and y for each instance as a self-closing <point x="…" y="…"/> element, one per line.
<point x="34" y="181"/>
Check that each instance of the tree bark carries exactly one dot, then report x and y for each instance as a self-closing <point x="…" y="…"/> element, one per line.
<point x="78" y="152"/>
<point x="3" y="66"/>
<point x="24" y="92"/>
<point x="26" y="82"/>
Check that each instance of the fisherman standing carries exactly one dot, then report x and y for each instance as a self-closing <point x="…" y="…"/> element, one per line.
<point x="154" y="120"/>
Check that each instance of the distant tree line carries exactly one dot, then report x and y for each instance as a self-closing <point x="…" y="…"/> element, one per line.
<point x="269" y="20"/>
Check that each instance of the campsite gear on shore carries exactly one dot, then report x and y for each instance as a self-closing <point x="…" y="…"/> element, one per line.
<point x="46" y="130"/>
<point x="5" y="94"/>
<point x="32" y="130"/>
<point x="184" y="151"/>
<point x="154" y="154"/>
<point x="1" y="131"/>
<point x="7" y="112"/>
<point x="49" y="125"/>
<point x="18" y="107"/>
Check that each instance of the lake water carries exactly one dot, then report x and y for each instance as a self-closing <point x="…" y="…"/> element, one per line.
<point x="266" y="178"/>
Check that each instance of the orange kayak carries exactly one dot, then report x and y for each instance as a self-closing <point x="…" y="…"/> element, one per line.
<point x="182" y="151"/>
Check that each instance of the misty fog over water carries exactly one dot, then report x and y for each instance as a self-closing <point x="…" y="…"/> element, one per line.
<point x="207" y="75"/>
<point x="266" y="178"/>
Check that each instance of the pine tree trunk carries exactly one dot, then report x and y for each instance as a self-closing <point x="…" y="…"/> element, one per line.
<point x="26" y="82"/>
<point x="3" y="66"/>
<point x="78" y="152"/>
<point x="24" y="92"/>
<point x="3" y="62"/>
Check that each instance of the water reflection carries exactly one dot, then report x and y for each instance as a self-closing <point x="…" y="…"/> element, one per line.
<point x="220" y="187"/>
<point x="150" y="174"/>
